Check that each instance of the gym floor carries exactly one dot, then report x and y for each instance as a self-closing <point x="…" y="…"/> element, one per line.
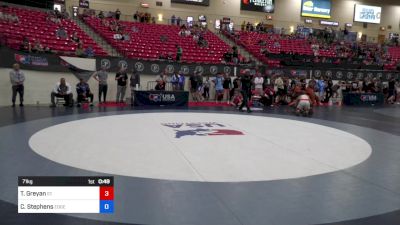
<point x="211" y="165"/>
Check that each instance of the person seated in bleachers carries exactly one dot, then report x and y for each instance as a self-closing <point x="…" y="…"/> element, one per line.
<point x="47" y="49"/>
<point x="163" y="38"/>
<point x="64" y="14"/>
<point x="62" y="90"/>
<point x="84" y="93"/>
<point x="2" y="16"/>
<point x="62" y="33"/>
<point x="37" y="47"/>
<point x="13" y="18"/>
<point x="80" y="52"/>
<point x="75" y="37"/>
<point x="26" y="45"/>
<point x="89" y="51"/>
<point x="126" y="36"/>
<point x="101" y="15"/>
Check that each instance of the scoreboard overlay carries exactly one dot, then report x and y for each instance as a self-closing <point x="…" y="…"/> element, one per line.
<point x="48" y="194"/>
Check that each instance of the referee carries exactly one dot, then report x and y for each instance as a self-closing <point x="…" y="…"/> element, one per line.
<point x="17" y="79"/>
<point x="245" y="81"/>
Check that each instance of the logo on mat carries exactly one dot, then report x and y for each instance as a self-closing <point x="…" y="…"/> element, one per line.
<point x="201" y="129"/>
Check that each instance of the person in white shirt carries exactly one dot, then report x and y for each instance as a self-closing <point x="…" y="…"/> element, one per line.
<point x="258" y="83"/>
<point x="62" y="90"/>
<point x="17" y="79"/>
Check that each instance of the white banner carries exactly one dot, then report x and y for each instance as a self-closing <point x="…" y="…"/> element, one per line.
<point x="367" y="14"/>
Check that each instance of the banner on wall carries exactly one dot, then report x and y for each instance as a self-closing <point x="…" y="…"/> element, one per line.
<point x="161" y="98"/>
<point x="192" y="2"/>
<point x="267" y="6"/>
<point x="84" y="4"/>
<point x="316" y="8"/>
<point x="157" y="67"/>
<point x="351" y="75"/>
<point x="367" y="14"/>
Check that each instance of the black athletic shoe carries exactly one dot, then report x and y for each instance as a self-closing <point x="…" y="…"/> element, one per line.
<point x="249" y="110"/>
<point x="13" y="105"/>
<point x="21" y="105"/>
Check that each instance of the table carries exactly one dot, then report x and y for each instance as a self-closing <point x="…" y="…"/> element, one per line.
<point x="161" y="98"/>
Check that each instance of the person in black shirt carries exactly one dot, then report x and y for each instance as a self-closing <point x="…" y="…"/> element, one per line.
<point x="121" y="77"/>
<point x="391" y="90"/>
<point x="227" y="84"/>
<point x="245" y="91"/>
<point x="193" y="86"/>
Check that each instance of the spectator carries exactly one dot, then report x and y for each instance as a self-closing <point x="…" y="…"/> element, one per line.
<point x="83" y="91"/>
<point x="193" y="86"/>
<point x="206" y="88"/>
<point x="175" y="81"/>
<point x="173" y="19"/>
<point x="17" y="79"/>
<point x="62" y="33"/>
<point x="126" y="36"/>
<point x="181" y="81"/>
<point x="89" y="52"/>
<point x="179" y="52"/>
<point x="101" y="15"/>
<point x="227" y="85"/>
<point x="26" y="46"/>
<point x="163" y="38"/>
<point x="37" y="48"/>
<point x="136" y="16"/>
<point x="178" y="21"/>
<point x="62" y="90"/>
<point x="245" y="91"/>
<point x="75" y="37"/>
<point x="134" y="83"/>
<point x="219" y="88"/>
<point x="79" y="51"/>
<point x="101" y="76"/>
<point x="258" y="83"/>
<point x="153" y="20"/>
<point x="121" y="77"/>
<point x="117" y="14"/>
<point x="64" y="14"/>
<point x="47" y="49"/>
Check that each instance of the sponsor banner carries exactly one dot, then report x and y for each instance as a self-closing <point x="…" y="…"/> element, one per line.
<point x="193" y="2"/>
<point x="157" y="67"/>
<point x="84" y="4"/>
<point x="161" y="98"/>
<point x="351" y="75"/>
<point x="363" y="99"/>
<point x="267" y="6"/>
<point x="292" y="73"/>
<point x="367" y="14"/>
<point x="316" y="8"/>
<point x="31" y="61"/>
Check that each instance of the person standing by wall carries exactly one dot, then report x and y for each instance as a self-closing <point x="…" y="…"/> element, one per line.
<point x="245" y="81"/>
<point x="227" y="85"/>
<point x="178" y="53"/>
<point x="17" y="79"/>
<point x="134" y="83"/>
<point x="121" y="77"/>
<point x="101" y="76"/>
